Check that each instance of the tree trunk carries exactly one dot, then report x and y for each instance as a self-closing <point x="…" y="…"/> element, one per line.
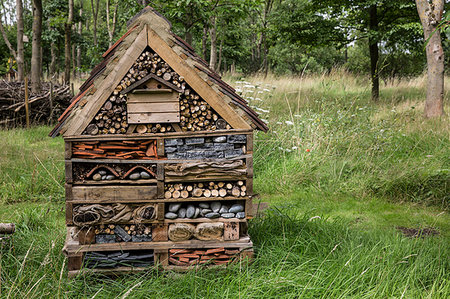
<point x="188" y="36"/>
<point x="74" y="61"/>
<point x="219" y="64"/>
<point x="20" y="52"/>
<point x="430" y="17"/>
<point x="112" y="27"/>
<point x="67" y="43"/>
<point x="36" y="47"/>
<point x="204" y="42"/>
<point x="53" y="61"/>
<point x="80" y="32"/>
<point x="94" y="16"/>
<point x="213" y="37"/>
<point x="373" y="52"/>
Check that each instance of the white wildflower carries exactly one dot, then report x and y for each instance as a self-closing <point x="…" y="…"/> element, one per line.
<point x="279" y="123"/>
<point x="288" y="122"/>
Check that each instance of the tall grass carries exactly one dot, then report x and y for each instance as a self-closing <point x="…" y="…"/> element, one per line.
<point x="339" y="171"/>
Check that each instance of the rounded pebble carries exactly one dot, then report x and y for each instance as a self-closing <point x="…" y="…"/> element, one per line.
<point x="103" y="177"/>
<point x="215" y="206"/>
<point x="197" y="212"/>
<point x="110" y="177"/>
<point x="102" y="172"/>
<point x="223" y="209"/>
<point x="145" y="175"/>
<point x="182" y="213"/>
<point x="204" y="205"/>
<point x="190" y="211"/>
<point x="174" y="207"/>
<point x="135" y="176"/>
<point x="97" y="177"/>
<point x="228" y="215"/>
<point x="203" y="212"/>
<point x="236" y="208"/>
<point x="212" y="215"/>
<point x="171" y="215"/>
<point x="240" y="215"/>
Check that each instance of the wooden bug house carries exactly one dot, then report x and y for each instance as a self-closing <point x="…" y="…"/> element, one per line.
<point x="158" y="158"/>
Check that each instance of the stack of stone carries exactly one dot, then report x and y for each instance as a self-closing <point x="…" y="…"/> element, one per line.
<point x="218" y="147"/>
<point x="209" y="210"/>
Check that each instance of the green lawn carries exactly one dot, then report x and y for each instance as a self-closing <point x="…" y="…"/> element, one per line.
<point x="340" y="174"/>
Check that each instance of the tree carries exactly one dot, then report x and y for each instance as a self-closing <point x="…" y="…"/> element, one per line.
<point x="67" y="43"/>
<point x="36" y="48"/>
<point x="95" y="17"/>
<point x="111" y="27"/>
<point x="430" y="13"/>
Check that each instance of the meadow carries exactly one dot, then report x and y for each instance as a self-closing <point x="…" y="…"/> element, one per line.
<point x="342" y="176"/>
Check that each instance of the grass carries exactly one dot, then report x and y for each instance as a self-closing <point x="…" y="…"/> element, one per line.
<point x="340" y="172"/>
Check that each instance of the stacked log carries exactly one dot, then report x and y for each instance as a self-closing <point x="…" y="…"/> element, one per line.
<point x="205" y="189"/>
<point x="45" y="106"/>
<point x="196" y="114"/>
<point x="215" y="256"/>
<point x="144" y="149"/>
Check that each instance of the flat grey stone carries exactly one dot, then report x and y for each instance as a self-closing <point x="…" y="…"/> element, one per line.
<point x="195" y="140"/>
<point x="204" y="146"/>
<point x="141" y="238"/>
<point x="145" y="175"/>
<point x="135" y="176"/>
<point x="220" y="139"/>
<point x="212" y="215"/>
<point x="234" y="153"/>
<point x="237" y="138"/>
<point x="176" y="156"/>
<point x="182" y="213"/>
<point x="223" y="146"/>
<point x="110" y="177"/>
<point x="103" y="177"/>
<point x="236" y="208"/>
<point x="195" y="155"/>
<point x="215" y="206"/>
<point x="213" y="154"/>
<point x="204" y="205"/>
<point x="171" y="215"/>
<point x="228" y="215"/>
<point x="223" y="209"/>
<point x="190" y="211"/>
<point x="103" y="239"/>
<point x="197" y="212"/>
<point x="173" y="142"/>
<point x="240" y="215"/>
<point x="170" y="149"/>
<point x="185" y="148"/>
<point x="203" y="212"/>
<point x="174" y="207"/>
<point x="122" y="233"/>
<point x="97" y="177"/>
<point x="102" y="172"/>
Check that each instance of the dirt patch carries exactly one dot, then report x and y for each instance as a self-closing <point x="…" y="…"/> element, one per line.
<point x="418" y="232"/>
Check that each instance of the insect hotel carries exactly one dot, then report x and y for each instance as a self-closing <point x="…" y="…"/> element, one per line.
<point x="158" y="159"/>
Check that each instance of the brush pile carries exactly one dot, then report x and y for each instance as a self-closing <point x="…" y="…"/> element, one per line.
<point x="44" y="106"/>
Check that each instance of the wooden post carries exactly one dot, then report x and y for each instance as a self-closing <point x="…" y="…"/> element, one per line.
<point x="51" y="102"/>
<point x="27" y="108"/>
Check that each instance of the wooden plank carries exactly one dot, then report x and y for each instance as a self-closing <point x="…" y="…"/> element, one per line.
<point x="153" y="117"/>
<point x="250" y="143"/>
<point x="152" y="91"/>
<point x="162" y="257"/>
<point x="249" y="163"/>
<point x="67" y="149"/>
<point x="75" y="261"/>
<point x="161" y="200"/>
<point x="160" y="189"/>
<point x="68" y="190"/>
<point x="160" y="170"/>
<point x="249" y="185"/>
<point x="203" y="220"/>
<point x="156" y="161"/>
<point x="96" y="193"/>
<point x="195" y="81"/>
<point x="160" y="233"/>
<point x="230" y="231"/>
<point x="115" y="182"/>
<point x="152" y="100"/>
<point x="69" y="213"/>
<point x="160" y="151"/>
<point x="78" y="123"/>
<point x="152" y="136"/>
<point x="69" y="171"/>
<point x="160" y="211"/>
<point x="249" y="208"/>
<point x="153" y="108"/>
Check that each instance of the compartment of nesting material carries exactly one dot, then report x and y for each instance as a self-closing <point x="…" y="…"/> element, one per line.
<point x="113" y="233"/>
<point x="205" y="189"/>
<point x="126" y="149"/>
<point x="207" y="209"/>
<point x="113" y="259"/>
<point x="88" y="172"/>
<point x="217" y="147"/>
<point x="214" y="256"/>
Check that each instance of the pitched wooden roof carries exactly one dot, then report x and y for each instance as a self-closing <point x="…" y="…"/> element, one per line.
<point x="149" y="28"/>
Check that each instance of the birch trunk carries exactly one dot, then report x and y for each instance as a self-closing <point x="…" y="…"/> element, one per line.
<point x="36" y="47"/>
